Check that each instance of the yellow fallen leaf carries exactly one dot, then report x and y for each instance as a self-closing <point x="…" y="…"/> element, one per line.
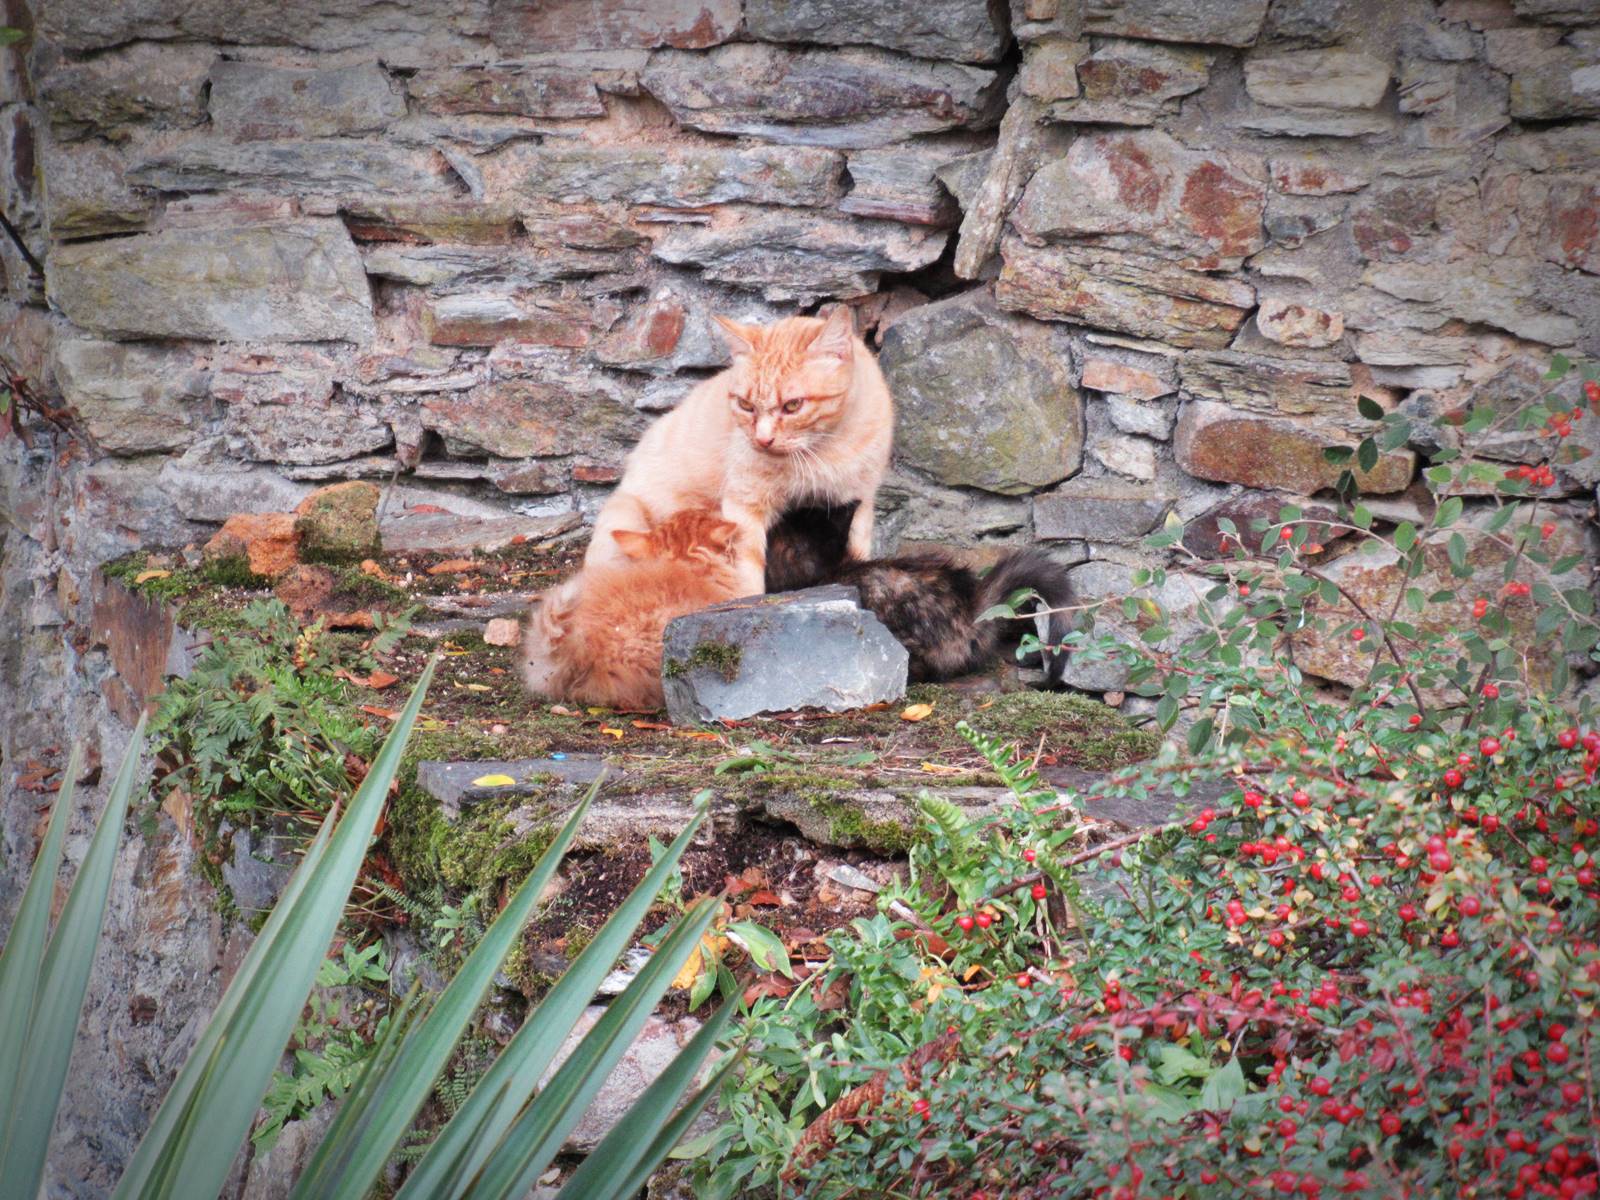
<point x="476" y="687"/>
<point x="594" y="711"/>
<point x="147" y="576"/>
<point x="917" y="712"/>
<point x="616" y="733"/>
<point x="493" y="781"/>
<point x="940" y="769"/>
<point x="691" y="971"/>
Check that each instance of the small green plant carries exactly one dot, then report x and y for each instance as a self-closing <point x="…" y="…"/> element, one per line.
<point x="333" y="1041"/>
<point x="263" y="729"/>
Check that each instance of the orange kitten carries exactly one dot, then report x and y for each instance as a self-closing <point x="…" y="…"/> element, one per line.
<point x="596" y="639"/>
<point x="802" y="415"/>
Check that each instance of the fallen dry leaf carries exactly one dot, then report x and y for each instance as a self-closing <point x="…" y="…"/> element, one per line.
<point x="650" y="725"/>
<point x="388" y="714"/>
<point x="917" y="712"/>
<point x="561" y="710"/>
<point x="766" y="899"/>
<point x="379" y="680"/>
<point x="493" y="781"/>
<point x="770" y="985"/>
<point x="373" y="568"/>
<point x="453" y="566"/>
<point x="347" y="620"/>
<point x="699" y="735"/>
<point x="610" y="732"/>
<point x="502" y="631"/>
<point x="473" y="687"/>
<point x="940" y="769"/>
<point x="179" y="805"/>
<point x="147" y="576"/>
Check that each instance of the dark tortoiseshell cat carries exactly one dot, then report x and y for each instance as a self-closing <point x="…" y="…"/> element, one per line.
<point x="929" y="602"/>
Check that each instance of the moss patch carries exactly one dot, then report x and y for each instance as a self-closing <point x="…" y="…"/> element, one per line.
<point x="1079" y="731"/>
<point x="720" y="657"/>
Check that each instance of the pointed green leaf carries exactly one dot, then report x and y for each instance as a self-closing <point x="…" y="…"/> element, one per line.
<point x="637" y="1143"/>
<point x="20" y="964"/>
<point x="465" y="1142"/>
<point x="64" y="978"/>
<point x="379" y="1109"/>
<point x="534" y="1139"/>
<point x="206" y="1116"/>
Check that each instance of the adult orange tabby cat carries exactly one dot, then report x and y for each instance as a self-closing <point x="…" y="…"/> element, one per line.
<point x="803" y="414"/>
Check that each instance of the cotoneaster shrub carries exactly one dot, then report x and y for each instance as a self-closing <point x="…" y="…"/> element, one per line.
<point x="1363" y="962"/>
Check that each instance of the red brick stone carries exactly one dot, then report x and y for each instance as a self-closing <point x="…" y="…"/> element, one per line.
<point x="269" y="541"/>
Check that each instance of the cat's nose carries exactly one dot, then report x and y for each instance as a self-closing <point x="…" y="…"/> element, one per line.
<point x="766" y="442"/>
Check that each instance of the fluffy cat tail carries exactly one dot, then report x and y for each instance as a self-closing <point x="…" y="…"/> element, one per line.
<point x="1033" y="568"/>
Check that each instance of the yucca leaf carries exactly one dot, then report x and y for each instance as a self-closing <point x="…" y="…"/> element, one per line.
<point x="20" y="964"/>
<point x="379" y="1109"/>
<point x="535" y="1137"/>
<point x="443" y="1172"/>
<point x="206" y="1116"/>
<point x="63" y="980"/>
<point x="637" y="1143"/>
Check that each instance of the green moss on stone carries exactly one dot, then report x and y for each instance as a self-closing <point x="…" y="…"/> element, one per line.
<point x="721" y="657"/>
<point x="1081" y="731"/>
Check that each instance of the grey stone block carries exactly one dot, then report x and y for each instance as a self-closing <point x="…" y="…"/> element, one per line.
<point x="816" y="648"/>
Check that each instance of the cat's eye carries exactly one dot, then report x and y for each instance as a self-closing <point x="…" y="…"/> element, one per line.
<point x="745" y="405"/>
<point x="793" y="406"/>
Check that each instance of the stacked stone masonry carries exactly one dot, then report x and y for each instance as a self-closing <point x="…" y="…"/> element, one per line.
<point x="1124" y="258"/>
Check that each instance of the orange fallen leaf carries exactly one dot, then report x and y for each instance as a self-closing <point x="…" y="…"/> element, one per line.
<point x="917" y="712"/>
<point x="147" y="576"/>
<point x="764" y="897"/>
<point x="379" y="680"/>
<point x="650" y="725"/>
<point x="388" y="714"/>
<point x="699" y="735"/>
<point x="453" y="566"/>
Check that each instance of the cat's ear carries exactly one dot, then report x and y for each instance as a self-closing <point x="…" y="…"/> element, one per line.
<point x="836" y="338"/>
<point x="741" y="338"/>
<point x="632" y="543"/>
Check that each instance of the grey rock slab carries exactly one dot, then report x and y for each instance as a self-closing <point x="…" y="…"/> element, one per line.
<point x="901" y="183"/>
<point x="215" y="490"/>
<point x="289" y="281"/>
<point x="822" y="824"/>
<point x="1101" y="510"/>
<point x="1145" y="190"/>
<point x="790" y="256"/>
<point x="985" y="398"/>
<point x="849" y="98"/>
<point x="451" y="783"/>
<point x="86" y="193"/>
<point x="959" y="30"/>
<point x="688" y="177"/>
<point x="1129" y="83"/>
<point x="259" y="867"/>
<point x="403" y="33"/>
<point x="144" y="84"/>
<point x="816" y="648"/>
<point x="318" y="165"/>
<point x="1340" y="79"/>
<point x="548" y="90"/>
<point x="134" y="399"/>
<point x="1228" y="22"/>
<point x="1178" y="596"/>
<point x="448" y="533"/>
<point x="251" y="101"/>
<point x="525" y="26"/>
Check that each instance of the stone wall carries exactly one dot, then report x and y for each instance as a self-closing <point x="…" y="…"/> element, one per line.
<point x="1123" y="258"/>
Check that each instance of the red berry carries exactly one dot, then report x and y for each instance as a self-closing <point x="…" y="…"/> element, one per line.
<point x="1390" y="1124"/>
<point x="1287" y="1128"/>
<point x="1470" y="906"/>
<point x="1491" y="823"/>
<point x="1584" y="876"/>
<point x="1538" y="864"/>
<point x="1479" y="607"/>
<point x="1567" y="739"/>
<point x="1491" y="692"/>
<point x="1557" y="1052"/>
<point x="1489" y="747"/>
<point x="1572" y="1092"/>
<point x="1275" y="939"/>
<point x="1547" y="530"/>
<point x="1024" y="980"/>
<point x="1357" y="633"/>
<point x="1253" y="799"/>
<point x="1029" y="854"/>
<point x="1360" y="928"/>
<point x="1452" y="779"/>
<point x="1301" y="800"/>
<point x="1414" y="720"/>
<point x="965" y="922"/>
<point x="1040" y="891"/>
<point x="1285" y="533"/>
<point x="1408" y="912"/>
<point x="1449" y="940"/>
<point x="984" y="920"/>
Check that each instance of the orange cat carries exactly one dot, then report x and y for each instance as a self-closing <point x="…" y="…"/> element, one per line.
<point x="802" y="415"/>
<point x="596" y="639"/>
